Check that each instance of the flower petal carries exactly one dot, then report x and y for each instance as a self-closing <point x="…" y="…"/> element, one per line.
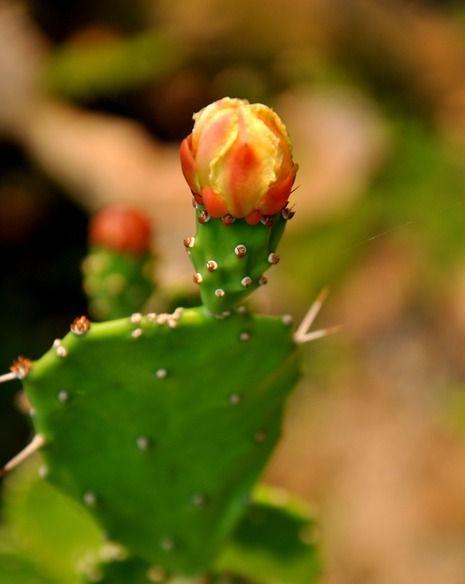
<point x="215" y="139"/>
<point x="253" y="217"/>
<point x="188" y="162"/>
<point x="277" y="196"/>
<point x="214" y="203"/>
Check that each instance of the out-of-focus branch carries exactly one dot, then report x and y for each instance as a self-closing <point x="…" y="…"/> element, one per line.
<point x="22" y="51"/>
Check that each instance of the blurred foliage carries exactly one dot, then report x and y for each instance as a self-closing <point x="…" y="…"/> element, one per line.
<point x="272" y="546"/>
<point x="418" y="197"/>
<point x="84" y="71"/>
<point x="46" y="527"/>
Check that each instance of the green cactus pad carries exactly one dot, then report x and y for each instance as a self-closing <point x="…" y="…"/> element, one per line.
<point x="116" y="283"/>
<point x="16" y="570"/>
<point x="161" y="425"/>
<point x="273" y="543"/>
<point x="128" y="571"/>
<point x="241" y="254"/>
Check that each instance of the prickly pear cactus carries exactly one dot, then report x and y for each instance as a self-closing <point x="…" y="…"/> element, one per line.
<point x="161" y="424"/>
<point x="238" y="164"/>
<point x="274" y="542"/>
<point x="58" y="539"/>
<point x="118" y="271"/>
<point x="230" y="260"/>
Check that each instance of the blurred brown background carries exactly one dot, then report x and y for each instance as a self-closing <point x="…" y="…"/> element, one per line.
<point x="94" y="99"/>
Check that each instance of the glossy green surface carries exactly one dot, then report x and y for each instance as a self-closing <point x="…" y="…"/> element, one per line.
<point x="165" y="463"/>
<point x="216" y="241"/>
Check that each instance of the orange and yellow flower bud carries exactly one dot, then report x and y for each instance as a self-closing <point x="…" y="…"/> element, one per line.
<point x="238" y="160"/>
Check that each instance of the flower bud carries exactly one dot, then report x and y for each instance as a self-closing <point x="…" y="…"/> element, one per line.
<point x="121" y="228"/>
<point x="238" y="160"/>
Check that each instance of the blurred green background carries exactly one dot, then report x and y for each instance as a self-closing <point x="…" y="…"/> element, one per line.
<point x="94" y="99"/>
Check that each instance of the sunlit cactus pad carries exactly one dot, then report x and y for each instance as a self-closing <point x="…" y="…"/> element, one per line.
<point x="161" y="424"/>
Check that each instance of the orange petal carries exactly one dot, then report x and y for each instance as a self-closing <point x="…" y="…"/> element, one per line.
<point x="277" y="196"/>
<point x="188" y="162"/>
<point x="211" y="141"/>
<point x="214" y="204"/>
<point x="254" y="217"/>
<point x="245" y="176"/>
<point x="198" y="198"/>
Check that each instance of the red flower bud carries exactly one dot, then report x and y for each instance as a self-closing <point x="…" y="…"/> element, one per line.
<point x="121" y="228"/>
<point x="238" y="160"/>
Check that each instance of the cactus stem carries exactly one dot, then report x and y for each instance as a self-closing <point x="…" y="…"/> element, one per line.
<point x="260" y="436"/>
<point x="115" y="284"/>
<point x="37" y="442"/>
<point x="8" y="377"/>
<point x="245" y="336"/>
<point x="198" y="500"/>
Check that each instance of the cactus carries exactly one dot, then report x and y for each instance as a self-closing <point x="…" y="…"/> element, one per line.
<point x="118" y="401"/>
<point x="118" y="272"/>
<point x="230" y="260"/>
<point x="272" y="543"/>
<point x="238" y="164"/>
<point x="16" y="570"/>
<point x="161" y="424"/>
